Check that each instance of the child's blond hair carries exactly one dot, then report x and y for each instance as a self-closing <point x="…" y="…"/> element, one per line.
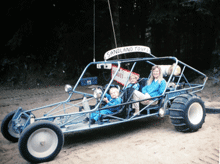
<point x="151" y="76"/>
<point x="134" y="75"/>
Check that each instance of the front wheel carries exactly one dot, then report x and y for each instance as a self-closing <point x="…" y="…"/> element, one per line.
<point x="41" y="142"/>
<point x="187" y="113"/>
<point x="7" y="128"/>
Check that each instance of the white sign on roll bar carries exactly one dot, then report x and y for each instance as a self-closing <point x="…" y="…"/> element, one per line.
<point x="122" y="75"/>
<point x="126" y="49"/>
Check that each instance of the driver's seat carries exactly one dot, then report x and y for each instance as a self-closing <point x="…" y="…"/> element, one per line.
<point x="124" y="111"/>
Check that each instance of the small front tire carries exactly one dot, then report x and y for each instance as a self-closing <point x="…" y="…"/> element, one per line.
<point x="41" y="142"/>
<point x="7" y="130"/>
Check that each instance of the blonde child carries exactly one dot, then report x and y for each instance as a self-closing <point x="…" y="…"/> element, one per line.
<point x="111" y="100"/>
<point x="133" y="82"/>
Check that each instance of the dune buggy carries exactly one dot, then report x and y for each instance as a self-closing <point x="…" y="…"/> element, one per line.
<point x="41" y="137"/>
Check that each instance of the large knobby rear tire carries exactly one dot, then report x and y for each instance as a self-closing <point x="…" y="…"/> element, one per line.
<point x="41" y="142"/>
<point x="187" y="113"/>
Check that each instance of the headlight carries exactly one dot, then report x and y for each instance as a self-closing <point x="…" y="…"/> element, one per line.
<point x="68" y="88"/>
<point x="161" y="112"/>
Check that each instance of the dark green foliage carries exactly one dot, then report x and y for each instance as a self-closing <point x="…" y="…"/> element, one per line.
<point x="57" y="36"/>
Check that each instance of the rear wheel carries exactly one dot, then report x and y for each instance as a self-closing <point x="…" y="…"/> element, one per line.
<point x="187" y="113"/>
<point x="41" y="142"/>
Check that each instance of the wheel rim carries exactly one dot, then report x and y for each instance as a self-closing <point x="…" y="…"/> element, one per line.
<point x="195" y="113"/>
<point x="42" y="143"/>
<point x="11" y="131"/>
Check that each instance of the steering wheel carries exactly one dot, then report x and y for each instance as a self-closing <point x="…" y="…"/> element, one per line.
<point x="97" y="92"/>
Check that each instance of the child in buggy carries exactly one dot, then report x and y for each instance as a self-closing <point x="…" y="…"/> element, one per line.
<point x="111" y="100"/>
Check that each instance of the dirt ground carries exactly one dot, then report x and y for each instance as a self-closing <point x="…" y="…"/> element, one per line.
<point x="149" y="140"/>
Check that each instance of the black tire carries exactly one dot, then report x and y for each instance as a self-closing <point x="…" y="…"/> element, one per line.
<point x="41" y="142"/>
<point x="187" y="113"/>
<point x="6" y="128"/>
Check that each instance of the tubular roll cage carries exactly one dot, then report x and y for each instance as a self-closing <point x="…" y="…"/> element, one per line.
<point x="71" y="118"/>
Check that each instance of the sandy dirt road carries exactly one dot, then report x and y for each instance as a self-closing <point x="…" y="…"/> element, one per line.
<point x="149" y="140"/>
